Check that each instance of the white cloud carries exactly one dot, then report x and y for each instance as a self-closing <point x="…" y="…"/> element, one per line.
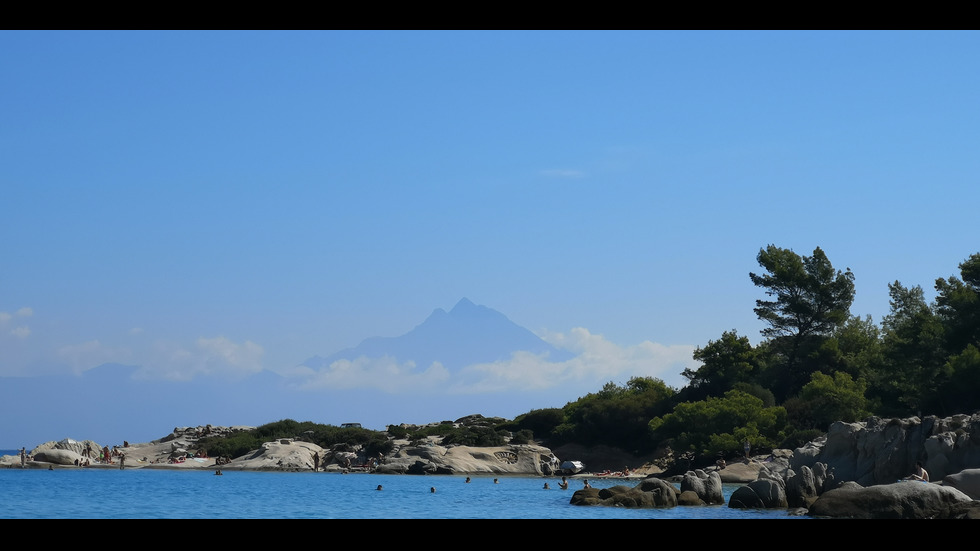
<point x="21" y="332"/>
<point x="217" y="356"/>
<point x="208" y="356"/>
<point x="222" y="354"/>
<point x="597" y="361"/>
<point x="385" y="374"/>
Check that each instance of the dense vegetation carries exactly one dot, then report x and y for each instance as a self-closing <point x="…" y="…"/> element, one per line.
<point x="817" y="363"/>
<point x="325" y="436"/>
<point x="371" y="443"/>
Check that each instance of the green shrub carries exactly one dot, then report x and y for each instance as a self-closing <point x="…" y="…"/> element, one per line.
<point x="524" y="436"/>
<point x="397" y="431"/>
<point x="325" y="436"/>
<point x="722" y="425"/>
<point x="474" y="436"/>
<point x="542" y="422"/>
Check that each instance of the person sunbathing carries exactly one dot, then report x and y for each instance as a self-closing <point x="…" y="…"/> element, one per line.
<point x="919" y="474"/>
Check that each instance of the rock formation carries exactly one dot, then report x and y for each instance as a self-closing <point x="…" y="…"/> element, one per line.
<point x="705" y="486"/>
<point x="852" y="471"/>
<point x="899" y="500"/>
<point x="767" y="492"/>
<point x="509" y="459"/>
<point x="966" y="481"/>
<point x="652" y="493"/>
<point x="881" y="451"/>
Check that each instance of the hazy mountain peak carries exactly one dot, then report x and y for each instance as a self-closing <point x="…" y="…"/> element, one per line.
<point x="436" y="314"/>
<point x="464" y="305"/>
<point x="466" y="335"/>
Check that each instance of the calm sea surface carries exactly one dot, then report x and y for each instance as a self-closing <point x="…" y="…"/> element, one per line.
<point x="153" y="494"/>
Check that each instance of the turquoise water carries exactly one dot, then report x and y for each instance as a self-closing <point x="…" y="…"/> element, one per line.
<point x="157" y="494"/>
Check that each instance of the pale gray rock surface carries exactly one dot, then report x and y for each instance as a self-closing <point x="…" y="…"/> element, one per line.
<point x="707" y="486"/>
<point x="57" y="457"/>
<point x="802" y="488"/>
<point x="525" y="459"/>
<point x="966" y="481"/>
<point x="278" y="455"/>
<point x="899" y="500"/>
<point x="882" y="451"/>
<point x="763" y="493"/>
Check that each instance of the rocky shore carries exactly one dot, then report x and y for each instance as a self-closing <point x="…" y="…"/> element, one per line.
<point x="180" y="450"/>
<point x="857" y="470"/>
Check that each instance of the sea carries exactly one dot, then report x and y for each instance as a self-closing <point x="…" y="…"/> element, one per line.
<point x="98" y="493"/>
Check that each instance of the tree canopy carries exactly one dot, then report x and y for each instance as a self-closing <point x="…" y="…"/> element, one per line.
<point x="809" y="301"/>
<point x="725" y="362"/>
<point x="811" y="298"/>
<point x="722" y="424"/>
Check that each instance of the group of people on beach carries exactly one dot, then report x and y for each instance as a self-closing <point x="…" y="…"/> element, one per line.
<point x="623" y="473"/>
<point x="105" y="455"/>
<point x="88" y="455"/>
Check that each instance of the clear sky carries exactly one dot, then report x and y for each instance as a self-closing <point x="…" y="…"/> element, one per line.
<point x="227" y="202"/>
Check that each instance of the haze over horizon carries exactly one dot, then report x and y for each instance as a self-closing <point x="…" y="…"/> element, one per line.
<point x="470" y="360"/>
<point x="215" y="206"/>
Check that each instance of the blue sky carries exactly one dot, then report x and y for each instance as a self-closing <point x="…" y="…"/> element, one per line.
<point x="226" y="202"/>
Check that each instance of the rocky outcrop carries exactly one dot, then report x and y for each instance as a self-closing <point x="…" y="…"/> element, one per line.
<point x="57" y="457"/>
<point x="278" y="455"/>
<point x="182" y="449"/>
<point x="66" y="452"/>
<point x="193" y="434"/>
<point x="767" y="492"/>
<point x="652" y="493"/>
<point x="525" y="459"/>
<point x="900" y="500"/>
<point x="804" y="487"/>
<point x="966" y="481"/>
<point x="852" y="471"/>
<point x="705" y="486"/>
<point x="882" y="451"/>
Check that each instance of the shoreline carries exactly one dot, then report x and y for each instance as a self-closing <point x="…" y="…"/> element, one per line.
<point x="741" y="472"/>
<point x="178" y="452"/>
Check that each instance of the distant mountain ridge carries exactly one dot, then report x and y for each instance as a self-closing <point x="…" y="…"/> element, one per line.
<point x="466" y="335"/>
